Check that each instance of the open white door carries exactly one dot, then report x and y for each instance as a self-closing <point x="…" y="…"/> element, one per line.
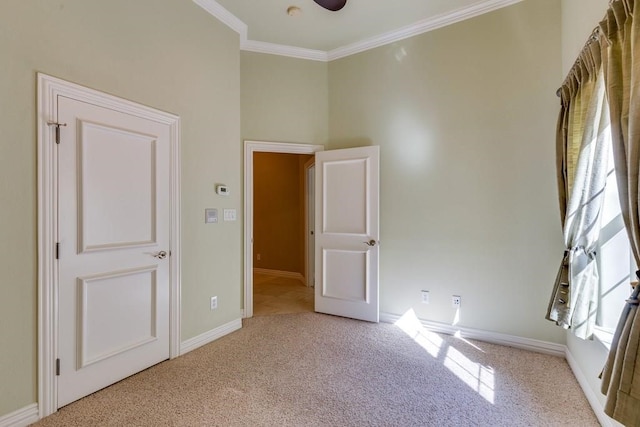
<point x="347" y="228"/>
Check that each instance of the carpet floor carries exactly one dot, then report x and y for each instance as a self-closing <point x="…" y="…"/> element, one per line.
<point x="308" y="369"/>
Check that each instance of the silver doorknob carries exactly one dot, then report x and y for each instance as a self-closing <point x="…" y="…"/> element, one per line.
<point x="160" y="255"/>
<point x="371" y="243"/>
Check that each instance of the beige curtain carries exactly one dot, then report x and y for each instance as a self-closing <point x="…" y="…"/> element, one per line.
<point x="620" y="41"/>
<point x="582" y="143"/>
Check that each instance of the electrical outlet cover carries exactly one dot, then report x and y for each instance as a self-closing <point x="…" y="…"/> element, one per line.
<point x="425" y="297"/>
<point x="455" y="301"/>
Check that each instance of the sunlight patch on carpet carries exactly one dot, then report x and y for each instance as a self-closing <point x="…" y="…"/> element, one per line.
<point x="478" y="377"/>
<point x="410" y="325"/>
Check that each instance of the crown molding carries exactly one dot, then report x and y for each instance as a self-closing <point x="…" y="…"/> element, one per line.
<point x="420" y="27"/>
<point x="230" y="20"/>
<point x="284" y="50"/>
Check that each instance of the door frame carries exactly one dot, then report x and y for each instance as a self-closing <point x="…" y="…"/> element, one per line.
<point x="49" y="88"/>
<point x="309" y="211"/>
<point x="251" y="147"/>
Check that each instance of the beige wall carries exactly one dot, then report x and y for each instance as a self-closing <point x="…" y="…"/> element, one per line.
<point x="168" y="54"/>
<point x="284" y="99"/>
<point x="579" y="18"/>
<point x="278" y="211"/>
<point x="465" y="117"/>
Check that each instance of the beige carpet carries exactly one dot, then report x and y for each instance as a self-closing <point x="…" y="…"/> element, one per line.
<point x="309" y="369"/>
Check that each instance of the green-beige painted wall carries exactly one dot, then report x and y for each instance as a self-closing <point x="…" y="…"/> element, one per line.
<point x="168" y="54"/>
<point x="465" y="118"/>
<point x="284" y="99"/>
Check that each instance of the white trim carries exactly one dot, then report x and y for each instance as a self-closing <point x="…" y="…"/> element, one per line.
<point x="210" y="336"/>
<point x="175" y="242"/>
<point x="308" y="228"/>
<point x="420" y="27"/>
<point x="491" y="337"/>
<point x="47" y="267"/>
<point x="224" y="16"/>
<point x="251" y="147"/>
<point x="597" y="407"/>
<point x="22" y="417"/>
<point x="603" y="336"/>
<point x="417" y="28"/>
<point x="279" y="273"/>
<point x="284" y="50"/>
<point x="49" y="88"/>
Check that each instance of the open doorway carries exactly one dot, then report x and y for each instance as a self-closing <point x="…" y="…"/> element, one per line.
<point x="280" y="216"/>
<point x="277" y="275"/>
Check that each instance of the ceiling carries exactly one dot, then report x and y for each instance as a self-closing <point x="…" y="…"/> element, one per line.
<point x="316" y="33"/>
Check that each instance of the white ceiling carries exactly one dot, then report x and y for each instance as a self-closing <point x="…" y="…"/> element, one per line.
<point x="317" y="33"/>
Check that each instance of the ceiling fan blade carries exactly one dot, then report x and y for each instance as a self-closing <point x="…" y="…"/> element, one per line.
<point x="333" y="5"/>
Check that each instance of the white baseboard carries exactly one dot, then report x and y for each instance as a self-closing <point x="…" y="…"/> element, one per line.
<point x="278" y="273"/>
<point x="209" y="336"/>
<point x="597" y="407"/>
<point x="491" y="337"/>
<point x="22" y="417"/>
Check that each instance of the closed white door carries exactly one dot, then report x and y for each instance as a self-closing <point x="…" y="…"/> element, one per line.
<point x="347" y="240"/>
<point x="114" y="230"/>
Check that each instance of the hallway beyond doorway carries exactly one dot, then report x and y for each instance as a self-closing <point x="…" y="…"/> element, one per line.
<point x="280" y="295"/>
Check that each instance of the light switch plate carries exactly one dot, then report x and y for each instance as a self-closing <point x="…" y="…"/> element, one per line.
<point x="229" y="214"/>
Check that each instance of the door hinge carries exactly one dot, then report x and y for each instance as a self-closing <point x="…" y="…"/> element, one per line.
<point x="57" y="367"/>
<point x="57" y="250"/>
<point x="57" y="125"/>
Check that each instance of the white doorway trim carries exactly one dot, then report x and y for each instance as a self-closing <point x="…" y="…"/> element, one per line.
<point x="251" y="147"/>
<point x="49" y="88"/>
<point x="309" y="223"/>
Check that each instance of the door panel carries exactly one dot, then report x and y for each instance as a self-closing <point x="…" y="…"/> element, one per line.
<point x="114" y="207"/>
<point x="345" y="275"/>
<point x="103" y="173"/>
<point x="100" y="335"/>
<point x="347" y="186"/>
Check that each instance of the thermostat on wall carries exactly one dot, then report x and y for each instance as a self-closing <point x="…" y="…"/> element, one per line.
<point x="222" y="190"/>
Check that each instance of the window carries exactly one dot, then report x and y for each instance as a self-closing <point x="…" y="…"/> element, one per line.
<point x="615" y="260"/>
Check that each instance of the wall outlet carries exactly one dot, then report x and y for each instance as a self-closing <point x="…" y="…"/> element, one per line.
<point x="258" y="257"/>
<point x="424" y="297"/>
<point x="455" y="301"/>
<point x="214" y="303"/>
